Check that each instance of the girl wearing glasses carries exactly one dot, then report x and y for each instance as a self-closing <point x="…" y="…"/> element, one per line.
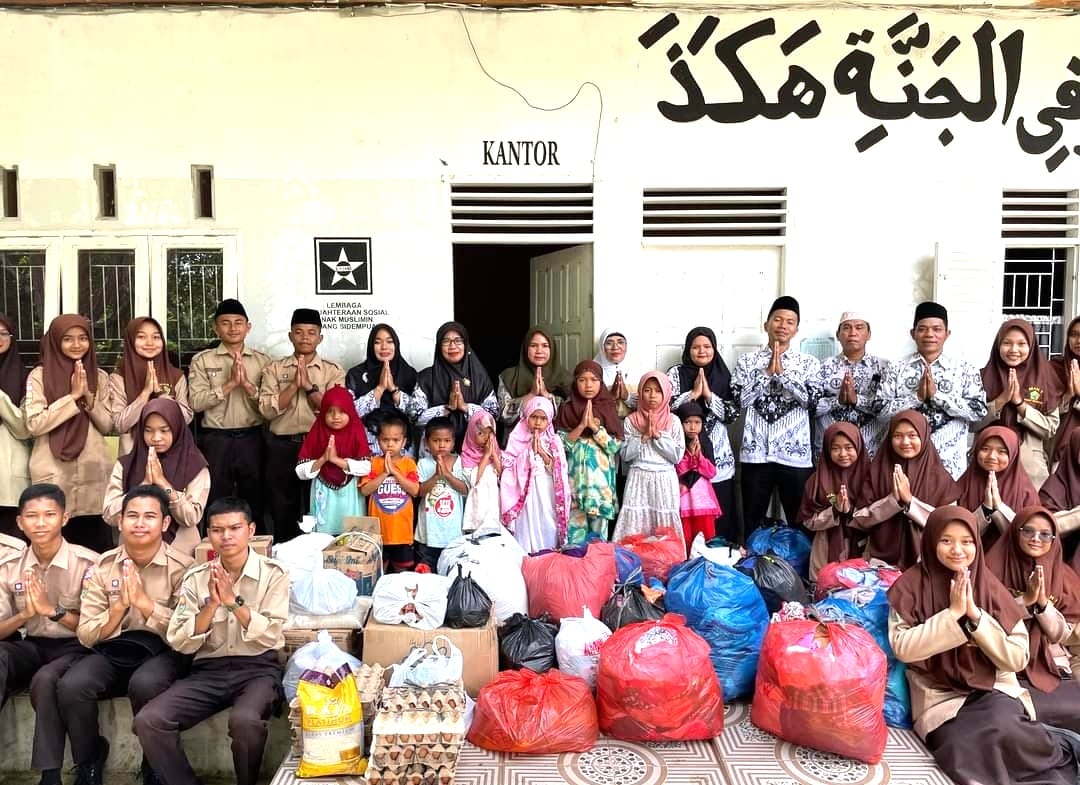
<point x="14" y="445"/>
<point x="1028" y="560"/>
<point x="456" y="384"/>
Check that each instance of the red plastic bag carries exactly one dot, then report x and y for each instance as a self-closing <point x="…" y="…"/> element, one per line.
<point x="559" y="585"/>
<point x="854" y="574"/>
<point x="822" y="685"/>
<point x="659" y="552"/>
<point x="537" y="713"/>
<point x="656" y="683"/>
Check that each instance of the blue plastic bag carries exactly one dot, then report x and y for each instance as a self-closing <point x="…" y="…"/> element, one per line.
<point x="627" y="566"/>
<point x="725" y="608"/>
<point x="789" y="544"/>
<point x="897" y="697"/>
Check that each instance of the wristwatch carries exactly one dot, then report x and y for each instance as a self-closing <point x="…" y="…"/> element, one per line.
<point x="61" y="612"/>
<point x="234" y="606"/>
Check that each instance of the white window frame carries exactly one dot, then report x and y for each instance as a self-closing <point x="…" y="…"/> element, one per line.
<point x="51" y="246"/>
<point x="161" y="244"/>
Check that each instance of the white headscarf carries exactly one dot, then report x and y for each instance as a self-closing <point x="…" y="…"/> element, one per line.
<point x="629" y="373"/>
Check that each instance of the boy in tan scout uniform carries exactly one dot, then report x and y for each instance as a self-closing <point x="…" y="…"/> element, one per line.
<point x="289" y="397"/>
<point x="223" y="384"/>
<point x="126" y="606"/>
<point x="40" y="591"/>
<point x="229" y="615"/>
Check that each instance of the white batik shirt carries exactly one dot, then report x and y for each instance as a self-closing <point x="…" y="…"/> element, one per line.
<point x="777" y="428"/>
<point x="868" y="375"/>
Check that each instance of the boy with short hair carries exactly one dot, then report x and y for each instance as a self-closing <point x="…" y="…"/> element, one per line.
<point x="40" y="591"/>
<point x="229" y="614"/>
<point x="223" y="385"/>
<point x="442" y="492"/>
<point x="126" y="606"/>
<point x="390" y="488"/>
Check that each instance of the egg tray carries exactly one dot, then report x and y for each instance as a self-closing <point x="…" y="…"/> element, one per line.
<point x="414" y="775"/>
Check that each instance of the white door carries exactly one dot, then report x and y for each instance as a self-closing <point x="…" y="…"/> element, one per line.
<point x="561" y="292"/>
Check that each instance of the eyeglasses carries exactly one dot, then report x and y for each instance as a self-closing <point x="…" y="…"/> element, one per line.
<point x="1033" y="534"/>
<point x="452" y="342"/>
<point x="613" y="342"/>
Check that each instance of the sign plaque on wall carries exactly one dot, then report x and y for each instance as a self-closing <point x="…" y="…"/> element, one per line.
<point x="342" y="265"/>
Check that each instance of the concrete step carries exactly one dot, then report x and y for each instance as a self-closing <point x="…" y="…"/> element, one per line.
<point x="207" y="744"/>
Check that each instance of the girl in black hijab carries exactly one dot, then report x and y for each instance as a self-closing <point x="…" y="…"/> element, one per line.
<point x="456" y="385"/>
<point x="382" y="383"/>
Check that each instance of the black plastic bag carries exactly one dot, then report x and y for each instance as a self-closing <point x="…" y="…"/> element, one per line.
<point x="467" y="604"/>
<point x="628" y="605"/>
<point x="776" y="580"/>
<point x="527" y="643"/>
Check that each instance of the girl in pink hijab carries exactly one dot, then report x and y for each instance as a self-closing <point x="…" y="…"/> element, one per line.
<point x="534" y="489"/>
<point x="654" y="444"/>
<point x="482" y="461"/>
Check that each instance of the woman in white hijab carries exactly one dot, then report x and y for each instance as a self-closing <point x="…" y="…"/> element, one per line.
<point x="619" y="377"/>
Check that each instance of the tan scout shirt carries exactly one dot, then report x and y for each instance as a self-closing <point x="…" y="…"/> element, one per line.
<point x="264" y="585"/>
<point x="63" y="578"/>
<point x="186" y="506"/>
<point x="83" y="479"/>
<point x="126" y="415"/>
<point x="210" y="371"/>
<point x="300" y="415"/>
<point x="160" y="579"/>
<point x="932" y="706"/>
<point x="10" y="547"/>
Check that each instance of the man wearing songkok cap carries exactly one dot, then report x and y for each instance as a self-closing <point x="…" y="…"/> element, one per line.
<point x="223" y="385"/>
<point x="849" y="383"/>
<point x="947" y="390"/>
<point x="775" y="387"/>
<point x="289" y="397"/>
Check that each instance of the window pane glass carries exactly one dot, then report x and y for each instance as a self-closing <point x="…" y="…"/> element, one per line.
<point x="22" y="288"/>
<point x="194" y="291"/>
<point x="1034" y="290"/>
<point x="107" y="299"/>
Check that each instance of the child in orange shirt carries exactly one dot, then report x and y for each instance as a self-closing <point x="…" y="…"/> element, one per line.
<point x="390" y="488"/>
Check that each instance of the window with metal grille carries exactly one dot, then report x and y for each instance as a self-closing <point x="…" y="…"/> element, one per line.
<point x="194" y="285"/>
<point x="107" y="298"/>
<point x="703" y="215"/>
<point x="505" y="213"/>
<point x="22" y="299"/>
<point x="1040" y="230"/>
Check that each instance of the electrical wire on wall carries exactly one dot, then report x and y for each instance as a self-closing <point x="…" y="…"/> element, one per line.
<point x="530" y="104"/>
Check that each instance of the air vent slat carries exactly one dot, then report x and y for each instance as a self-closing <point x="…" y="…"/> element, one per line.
<point x="522" y="210"/>
<point x="698" y="214"/>
<point x="1040" y="215"/>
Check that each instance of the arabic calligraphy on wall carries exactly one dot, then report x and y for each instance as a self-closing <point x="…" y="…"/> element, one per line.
<point x="803" y="95"/>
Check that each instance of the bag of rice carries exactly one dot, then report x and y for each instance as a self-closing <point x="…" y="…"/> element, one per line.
<point x="332" y="724"/>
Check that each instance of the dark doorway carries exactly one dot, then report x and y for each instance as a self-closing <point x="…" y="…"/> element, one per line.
<point x="492" y="299"/>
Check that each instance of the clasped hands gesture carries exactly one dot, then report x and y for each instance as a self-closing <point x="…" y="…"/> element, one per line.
<point x="1012" y="393"/>
<point x="776" y="365"/>
<point x="457" y="400"/>
<point x="588" y="419"/>
<point x="901" y="486"/>
<point x="155" y="474"/>
<point x="848" y="394"/>
<point x="80" y="387"/>
<point x="239" y="378"/>
<point x="222" y="590"/>
<point x="962" y="598"/>
<point x="701" y="387"/>
<point x="132" y="592"/>
<point x="37" y="599"/>
<point x="927" y="386"/>
<point x="621" y="393"/>
<point x="992" y="497"/>
<point x="539" y="449"/>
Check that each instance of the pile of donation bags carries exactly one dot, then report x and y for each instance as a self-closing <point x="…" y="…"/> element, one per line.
<point x="632" y="640"/>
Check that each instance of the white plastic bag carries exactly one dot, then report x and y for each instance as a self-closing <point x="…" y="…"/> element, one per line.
<point x="323" y="592"/>
<point x="722" y="555"/>
<point x="322" y="655"/>
<point x="494" y="562"/>
<point x="413" y="598"/>
<point x="437" y="662"/>
<point x="577" y="646"/>
<point x="302" y="554"/>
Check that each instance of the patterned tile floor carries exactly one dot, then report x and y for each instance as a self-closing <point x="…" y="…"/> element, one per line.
<point x="742" y="755"/>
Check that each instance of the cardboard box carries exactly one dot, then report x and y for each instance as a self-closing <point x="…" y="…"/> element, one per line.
<point x="357" y="553"/>
<point x="260" y="543"/>
<point x="387" y="644"/>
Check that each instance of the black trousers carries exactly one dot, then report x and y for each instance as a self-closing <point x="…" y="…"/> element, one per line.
<point x="727" y="522"/>
<point x="236" y="459"/>
<point x="39" y="663"/>
<point x="94" y="678"/>
<point x="250" y="685"/>
<point x="286" y="494"/>
<point x="758" y="482"/>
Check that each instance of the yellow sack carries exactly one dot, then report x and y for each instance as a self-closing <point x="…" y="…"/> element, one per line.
<point x="332" y="723"/>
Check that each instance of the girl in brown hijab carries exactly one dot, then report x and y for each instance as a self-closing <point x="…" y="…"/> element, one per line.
<point x="14" y="448"/>
<point x="964" y="640"/>
<point x="67" y="413"/>
<point x="537" y="373"/>
<point x="906" y="481"/>
<point x="995" y="485"/>
<point x="829" y="499"/>
<point x="1067" y="367"/>
<point x="1061" y="493"/>
<point x="143" y="374"/>
<point x="1029" y="561"/>
<point x="164" y="455"/>
<point x="1023" y="393"/>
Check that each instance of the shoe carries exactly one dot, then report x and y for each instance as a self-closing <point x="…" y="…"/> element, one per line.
<point x="146" y="771"/>
<point x="51" y="777"/>
<point x="94" y="773"/>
